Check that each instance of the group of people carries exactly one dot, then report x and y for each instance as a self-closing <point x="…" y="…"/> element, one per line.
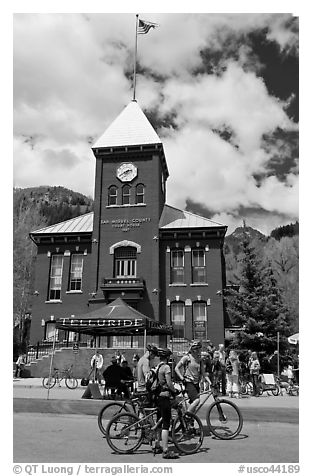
<point x="118" y="376"/>
<point x="212" y="366"/>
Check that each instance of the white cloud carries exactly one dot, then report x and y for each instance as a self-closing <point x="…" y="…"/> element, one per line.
<point x="70" y="83"/>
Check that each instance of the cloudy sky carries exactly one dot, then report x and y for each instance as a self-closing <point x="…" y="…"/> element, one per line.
<point x="220" y="89"/>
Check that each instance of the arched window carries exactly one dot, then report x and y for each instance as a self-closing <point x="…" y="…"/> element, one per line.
<point x="112" y="195"/>
<point x="125" y="262"/>
<point x="126" y="190"/>
<point x="178" y="319"/>
<point x="139" y="193"/>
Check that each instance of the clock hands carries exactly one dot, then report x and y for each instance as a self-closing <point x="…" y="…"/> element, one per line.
<point x="125" y="173"/>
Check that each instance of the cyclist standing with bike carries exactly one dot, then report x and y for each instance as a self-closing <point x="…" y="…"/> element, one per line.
<point x="163" y="401"/>
<point x="191" y="369"/>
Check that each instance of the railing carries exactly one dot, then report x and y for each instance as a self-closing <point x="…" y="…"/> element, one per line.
<point x="41" y="349"/>
<point x="117" y="282"/>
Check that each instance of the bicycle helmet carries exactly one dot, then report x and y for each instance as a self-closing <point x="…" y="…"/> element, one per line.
<point x="196" y="344"/>
<point x="163" y="352"/>
<point x="152" y="348"/>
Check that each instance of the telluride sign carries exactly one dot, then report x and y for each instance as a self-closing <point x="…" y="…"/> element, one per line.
<point x="101" y="322"/>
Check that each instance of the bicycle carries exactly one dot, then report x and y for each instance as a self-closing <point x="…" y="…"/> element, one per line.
<point x="126" y="432"/>
<point x="57" y="376"/>
<point x="223" y="417"/>
<point x="134" y="405"/>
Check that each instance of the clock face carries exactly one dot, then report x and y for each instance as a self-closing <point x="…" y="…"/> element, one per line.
<point x="127" y="172"/>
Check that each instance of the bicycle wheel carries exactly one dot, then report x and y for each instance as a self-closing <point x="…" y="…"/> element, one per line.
<point x="49" y="382"/>
<point x="276" y="391"/>
<point x="244" y="389"/>
<point x="124" y="433"/>
<point x="71" y="382"/>
<point x="187" y="433"/>
<point x="108" y="412"/>
<point x="224" y="419"/>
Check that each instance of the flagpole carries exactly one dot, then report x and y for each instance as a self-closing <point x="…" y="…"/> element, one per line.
<point x="135" y="55"/>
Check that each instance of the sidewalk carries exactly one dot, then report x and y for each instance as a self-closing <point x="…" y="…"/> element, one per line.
<point x="30" y="396"/>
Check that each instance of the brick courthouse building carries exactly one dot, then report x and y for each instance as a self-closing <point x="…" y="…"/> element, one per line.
<point x="165" y="262"/>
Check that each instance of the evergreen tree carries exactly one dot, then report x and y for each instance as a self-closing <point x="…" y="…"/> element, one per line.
<point x="257" y="306"/>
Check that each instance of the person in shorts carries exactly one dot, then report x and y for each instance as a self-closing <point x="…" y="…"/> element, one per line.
<point x="164" y="402"/>
<point x="191" y="370"/>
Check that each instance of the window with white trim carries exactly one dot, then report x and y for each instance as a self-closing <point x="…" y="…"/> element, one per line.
<point x="50" y="331"/>
<point x="125" y="262"/>
<point x="199" y="320"/>
<point x="75" y="277"/>
<point x="178" y="319"/>
<point x="139" y="193"/>
<point x="177" y="266"/>
<point x="126" y="192"/>
<point x="198" y="266"/>
<point x="112" y="195"/>
<point x="55" y="282"/>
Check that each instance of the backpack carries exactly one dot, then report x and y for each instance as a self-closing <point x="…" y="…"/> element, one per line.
<point x="152" y="383"/>
<point x="228" y="366"/>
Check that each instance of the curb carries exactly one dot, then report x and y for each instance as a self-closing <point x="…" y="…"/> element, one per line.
<point x="92" y="407"/>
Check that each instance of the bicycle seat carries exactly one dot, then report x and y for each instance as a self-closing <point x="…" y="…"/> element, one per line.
<point x="55" y="368"/>
<point x="139" y="394"/>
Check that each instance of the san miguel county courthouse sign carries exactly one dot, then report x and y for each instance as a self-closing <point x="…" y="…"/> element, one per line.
<point x="126" y="223"/>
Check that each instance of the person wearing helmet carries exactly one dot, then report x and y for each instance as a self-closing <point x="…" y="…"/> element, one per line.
<point x="190" y="369"/>
<point x="145" y="363"/>
<point x="163" y="402"/>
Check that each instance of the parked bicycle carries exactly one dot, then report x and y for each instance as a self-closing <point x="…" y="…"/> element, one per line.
<point x="59" y="375"/>
<point x="270" y="387"/>
<point x="126" y="432"/>
<point x="290" y="387"/>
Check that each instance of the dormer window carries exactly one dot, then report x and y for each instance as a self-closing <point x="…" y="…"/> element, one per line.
<point x="112" y="195"/>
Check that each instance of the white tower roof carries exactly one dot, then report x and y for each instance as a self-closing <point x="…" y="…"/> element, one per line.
<point x="131" y="127"/>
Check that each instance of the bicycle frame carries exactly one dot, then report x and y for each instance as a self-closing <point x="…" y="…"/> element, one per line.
<point x="208" y="394"/>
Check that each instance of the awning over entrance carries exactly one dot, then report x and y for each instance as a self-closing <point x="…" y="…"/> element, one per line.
<point x="116" y="318"/>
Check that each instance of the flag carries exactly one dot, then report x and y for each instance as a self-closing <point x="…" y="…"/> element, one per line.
<point x="145" y="26"/>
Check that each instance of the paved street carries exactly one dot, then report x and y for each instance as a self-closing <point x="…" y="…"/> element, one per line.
<point x="76" y="439"/>
<point x="63" y="429"/>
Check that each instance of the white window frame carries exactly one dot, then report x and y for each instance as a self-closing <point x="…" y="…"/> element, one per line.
<point x="56" y="277"/>
<point x="112" y="197"/>
<point x="196" y="267"/>
<point x="199" y="318"/>
<point x="139" y="196"/>
<point x="181" y="319"/>
<point x="71" y="279"/>
<point x="127" y="195"/>
<point x="174" y="268"/>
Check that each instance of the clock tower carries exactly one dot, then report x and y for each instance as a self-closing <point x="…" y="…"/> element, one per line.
<point x="130" y="194"/>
